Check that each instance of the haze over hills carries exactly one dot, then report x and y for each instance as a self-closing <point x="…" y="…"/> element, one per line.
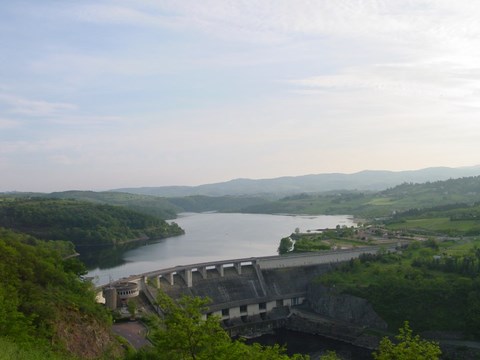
<point x="368" y="180"/>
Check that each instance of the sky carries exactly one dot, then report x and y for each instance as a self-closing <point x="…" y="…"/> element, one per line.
<point x="96" y="95"/>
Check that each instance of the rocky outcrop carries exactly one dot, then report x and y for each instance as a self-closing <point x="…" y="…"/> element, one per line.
<point x="347" y="308"/>
<point x="85" y="337"/>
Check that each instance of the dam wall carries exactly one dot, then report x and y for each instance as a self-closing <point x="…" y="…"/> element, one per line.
<point x="248" y="290"/>
<point x="318" y="258"/>
<point x="253" y="293"/>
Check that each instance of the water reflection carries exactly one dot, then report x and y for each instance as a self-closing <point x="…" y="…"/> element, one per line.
<point x="106" y="256"/>
<point x="111" y="256"/>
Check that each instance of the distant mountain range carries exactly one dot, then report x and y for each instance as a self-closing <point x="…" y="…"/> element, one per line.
<point x="368" y="180"/>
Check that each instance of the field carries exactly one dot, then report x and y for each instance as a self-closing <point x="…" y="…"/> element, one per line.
<point x="441" y="225"/>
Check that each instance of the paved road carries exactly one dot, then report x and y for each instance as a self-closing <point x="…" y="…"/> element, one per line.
<point x="133" y="331"/>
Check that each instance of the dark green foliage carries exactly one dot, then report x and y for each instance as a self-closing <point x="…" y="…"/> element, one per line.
<point x="310" y="243"/>
<point x="465" y="265"/>
<point x="407" y="347"/>
<point x="285" y="245"/>
<point x="161" y="207"/>
<point x="185" y="334"/>
<point x="36" y="286"/>
<point x="329" y="355"/>
<point x="80" y="222"/>
<point x="306" y="242"/>
<point x="413" y="287"/>
<point x="11" y="350"/>
<point x="149" y="205"/>
<point x="200" y="203"/>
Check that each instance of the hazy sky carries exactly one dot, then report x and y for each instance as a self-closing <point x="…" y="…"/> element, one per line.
<point x="105" y="94"/>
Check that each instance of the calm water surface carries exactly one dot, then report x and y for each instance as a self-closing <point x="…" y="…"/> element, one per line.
<point x="218" y="236"/>
<point x="210" y="237"/>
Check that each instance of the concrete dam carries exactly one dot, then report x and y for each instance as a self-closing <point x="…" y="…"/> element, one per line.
<point x="249" y="295"/>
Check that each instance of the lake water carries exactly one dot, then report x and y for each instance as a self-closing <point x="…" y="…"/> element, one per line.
<point x="219" y="236"/>
<point x="208" y="237"/>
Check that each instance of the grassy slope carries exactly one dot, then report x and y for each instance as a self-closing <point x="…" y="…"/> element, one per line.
<point x="442" y="225"/>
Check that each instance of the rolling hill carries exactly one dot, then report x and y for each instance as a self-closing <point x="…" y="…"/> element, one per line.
<point x="367" y="180"/>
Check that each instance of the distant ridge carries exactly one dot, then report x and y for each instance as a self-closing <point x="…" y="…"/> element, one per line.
<point x="367" y="180"/>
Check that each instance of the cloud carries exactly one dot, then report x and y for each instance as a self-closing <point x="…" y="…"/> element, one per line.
<point x="307" y="17"/>
<point x="8" y="124"/>
<point x="83" y="68"/>
<point x="61" y="159"/>
<point x="88" y="120"/>
<point x="284" y="18"/>
<point x="429" y="80"/>
<point x="16" y="146"/>
<point x="381" y="78"/>
<point x="407" y="32"/>
<point x="113" y="13"/>
<point x="23" y="106"/>
<point x="51" y="112"/>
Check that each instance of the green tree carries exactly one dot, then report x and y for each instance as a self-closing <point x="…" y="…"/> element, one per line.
<point x="409" y="347"/>
<point x="473" y="313"/>
<point x="186" y="334"/>
<point x="285" y="245"/>
<point x="42" y="299"/>
<point x="132" y="308"/>
<point x="330" y="355"/>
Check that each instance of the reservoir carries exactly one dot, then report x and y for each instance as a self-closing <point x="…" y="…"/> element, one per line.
<point x="208" y="237"/>
<point x="221" y="236"/>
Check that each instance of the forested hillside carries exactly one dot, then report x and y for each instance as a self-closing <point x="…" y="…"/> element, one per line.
<point x="149" y="205"/>
<point x="366" y="204"/>
<point x="199" y="203"/>
<point x="82" y="223"/>
<point x="160" y="207"/>
<point x="380" y="204"/>
<point x="434" y="285"/>
<point x="45" y="307"/>
<point x="164" y="208"/>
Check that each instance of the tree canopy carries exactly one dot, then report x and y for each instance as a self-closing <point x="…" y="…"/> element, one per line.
<point x="80" y="222"/>
<point x="44" y="304"/>
<point x="186" y="334"/>
<point x="408" y="347"/>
